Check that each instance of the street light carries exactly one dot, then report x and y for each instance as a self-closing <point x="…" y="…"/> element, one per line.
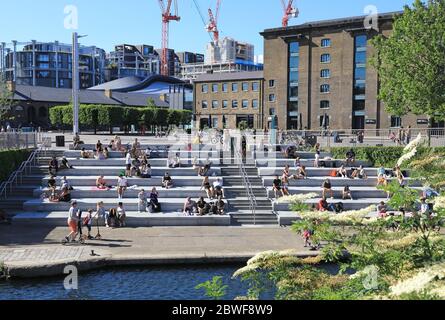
<point x="75" y="80"/>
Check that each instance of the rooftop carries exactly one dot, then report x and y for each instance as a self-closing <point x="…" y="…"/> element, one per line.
<point x="247" y="75"/>
<point x="329" y="23"/>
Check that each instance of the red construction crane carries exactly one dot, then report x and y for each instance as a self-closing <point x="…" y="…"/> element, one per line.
<point x="289" y="12"/>
<point x="167" y="16"/>
<point x="213" y="24"/>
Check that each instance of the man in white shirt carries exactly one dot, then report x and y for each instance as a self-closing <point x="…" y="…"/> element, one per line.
<point x="128" y="162"/>
<point x="73" y="219"/>
<point x="122" y="185"/>
<point x="218" y="189"/>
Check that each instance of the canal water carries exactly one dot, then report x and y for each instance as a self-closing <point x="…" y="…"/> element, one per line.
<point x="156" y="283"/>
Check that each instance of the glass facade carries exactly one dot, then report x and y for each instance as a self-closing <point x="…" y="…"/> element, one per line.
<point x="294" y="65"/>
<point x="359" y="92"/>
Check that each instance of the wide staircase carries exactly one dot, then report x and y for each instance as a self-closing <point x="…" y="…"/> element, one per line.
<point x="240" y="204"/>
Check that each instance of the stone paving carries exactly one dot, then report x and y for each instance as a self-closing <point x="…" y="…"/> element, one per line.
<point x="34" y="251"/>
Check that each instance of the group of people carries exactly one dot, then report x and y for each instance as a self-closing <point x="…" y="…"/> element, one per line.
<point x="115" y="218"/>
<point x="202" y="208"/>
<point x="402" y="137"/>
<point x="63" y="194"/>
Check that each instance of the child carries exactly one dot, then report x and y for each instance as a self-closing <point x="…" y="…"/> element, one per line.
<point x="88" y="222"/>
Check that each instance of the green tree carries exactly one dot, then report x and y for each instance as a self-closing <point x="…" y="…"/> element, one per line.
<point x="411" y="61"/>
<point x="151" y="103"/>
<point x="6" y="98"/>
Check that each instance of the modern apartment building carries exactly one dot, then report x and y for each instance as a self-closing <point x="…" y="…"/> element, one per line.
<point x="225" y="100"/>
<point x="229" y="50"/>
<point x="190" y="57"/>
<point x="132" y="60"/>
<point x="50" y="65"/>
<point x="317" y="75"/>
<point x="174" y="66"/>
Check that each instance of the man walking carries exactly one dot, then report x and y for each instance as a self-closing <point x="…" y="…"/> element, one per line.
<point x="73" y="220"/>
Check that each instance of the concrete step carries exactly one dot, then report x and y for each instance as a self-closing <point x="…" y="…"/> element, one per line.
<point x="134" y="220"/>
<point x="154" y="155"/>
<point x="93" y="192"/>
<point x="336" y="182"/>
<point x="348" y="204"/>
<point x="115" y="171"/>
<point x="155" y="181"/>
<point x="357" y="192"/>
<point x="260" y="154"/>
<point x="312" y="172"/>
<point x="308" y="163"/>
<point x="130" y="204"/>
<point x="163" y="163"/>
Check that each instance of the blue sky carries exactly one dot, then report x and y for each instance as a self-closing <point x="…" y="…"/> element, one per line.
<point x="110" y="22"/>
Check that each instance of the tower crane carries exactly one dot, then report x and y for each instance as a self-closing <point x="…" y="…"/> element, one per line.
<point x="213" y="22"/>
<point x="289" y="12"/>
<point x="167" y="16"/>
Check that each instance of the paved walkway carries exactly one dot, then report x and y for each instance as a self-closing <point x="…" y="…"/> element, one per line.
<point x="29" y="252"/>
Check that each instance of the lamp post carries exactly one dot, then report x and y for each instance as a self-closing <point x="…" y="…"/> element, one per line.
<point x="75" y="80"/>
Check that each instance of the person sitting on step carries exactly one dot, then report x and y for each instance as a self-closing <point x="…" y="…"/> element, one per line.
<point x="174" y="162"/>
<point x="327" y="188"/>
<point x="221" y="207"/>
<point x="301" y="173"/>
<point x="218" y="190"/>
<point x="342" y="172"/>
<point x="190" y="207"/>
<point x="167" y="181"/>
<point x="101" y="183"/>
<point x="84" y="154"/>
<point x="64" y="164"/>
<point x="146" y="171"/>
<point x="203" y="207"/>
<point x="277" y="187"/>
<point x="285" y="184"/>
<point x="359" y="173"/>
<point x="350" y="157"/>
<point x="207" y="187"/>
<point x="154" y="206"/>
<point x="347" y="193"/>
<point x="77" y="142"/>
<point x="207" y="166"/>
<point x="53" y="166"/>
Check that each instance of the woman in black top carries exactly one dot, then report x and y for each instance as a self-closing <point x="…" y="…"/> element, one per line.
<point x="327" y="187"/>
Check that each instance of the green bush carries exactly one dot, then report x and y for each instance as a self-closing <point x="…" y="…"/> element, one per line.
<point x="11" y="160"/>
<point x="95" y="116"/>
<point x="381" y="156"/>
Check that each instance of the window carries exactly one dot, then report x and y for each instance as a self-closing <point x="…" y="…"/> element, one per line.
<point x="293" y="92"/>
<point x="325" y="88"/>
<point x="325" y="73"/>
<point x="360" y="74"/>
<point x="325" y="58"/>
<point x="255" y="86"/>
<point x="215" y="87"/>
<point x="359" y="105"/>
<point x="325" y="104"/>
<point x="234" y="104"/>
<point x="215" y="104"/>
<point x="205" y="88"/>
<point x="225" y="87"/>
<point x="294" y="47"/>
<point x="245" y="86"/>
<point x="360" y="57"/>
<point x="293" y="76"/>
<point x="324" y="121"/>
<point x="225" y="104"/>
<point x="272" y="111"/>
<point x="396" y="122"/>
<point x="245" y="104"/>
<point x="255" y="103"/>
<point x="293" y="106"/>
<point x="359" y="89"/>
<point x="271" y="83"/>
<point x="325" y="43"/>
<point x="294" y="62"/>
<point x="272" y="97"/>
<point x="205" y="104"/>
<point x="215" y="122"/>
<point x="361" y="41"/>
<point x="234" y="87"/>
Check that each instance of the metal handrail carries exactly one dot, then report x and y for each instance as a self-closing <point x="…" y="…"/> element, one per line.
<point x="247" y="185"/>
<point x="18" y="174"/>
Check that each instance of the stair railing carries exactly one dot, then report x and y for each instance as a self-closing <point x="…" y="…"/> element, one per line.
<point x="247" y="185"/>
<point x="16" y="176"/>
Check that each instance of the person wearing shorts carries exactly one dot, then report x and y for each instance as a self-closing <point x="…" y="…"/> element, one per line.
<point x="73" y="220"/>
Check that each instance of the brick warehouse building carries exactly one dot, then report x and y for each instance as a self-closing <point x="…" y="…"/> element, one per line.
<point x="223" y="100"/>
<point x="318" y="74"/>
